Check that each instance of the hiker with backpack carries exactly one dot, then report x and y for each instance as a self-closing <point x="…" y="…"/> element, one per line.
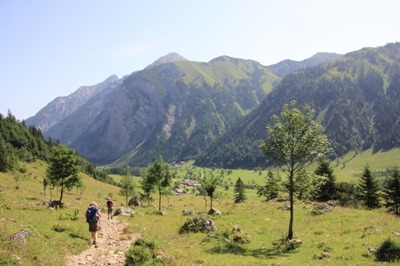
<point x="110" y="205"/>
<point x="93" y="215"/>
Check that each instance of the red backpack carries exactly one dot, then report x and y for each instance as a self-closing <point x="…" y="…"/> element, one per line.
<point x="110" y="203"/>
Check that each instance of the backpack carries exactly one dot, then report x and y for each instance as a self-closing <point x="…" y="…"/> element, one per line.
<point x="110" y="203"/>
<point x="91" y="214"/>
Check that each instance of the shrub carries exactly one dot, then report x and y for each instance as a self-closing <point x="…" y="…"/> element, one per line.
<point x="388" y="251"/>
<point x="141" y="253"/>
<point x="197" y="224"/>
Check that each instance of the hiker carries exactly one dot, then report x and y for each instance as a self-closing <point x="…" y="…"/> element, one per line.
<point x="93" y="215"/>
<point x="110" y="205"/>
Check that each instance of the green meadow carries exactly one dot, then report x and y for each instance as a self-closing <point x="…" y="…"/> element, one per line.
<point x="344" y="233"/>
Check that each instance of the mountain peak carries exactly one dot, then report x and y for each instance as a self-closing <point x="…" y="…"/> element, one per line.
<point x="171" y="57"/>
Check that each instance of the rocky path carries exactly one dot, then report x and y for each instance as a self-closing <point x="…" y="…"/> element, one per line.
<point x="111" y="250"/>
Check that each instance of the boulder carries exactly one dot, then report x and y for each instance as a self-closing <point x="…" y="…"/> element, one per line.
<point x="185" y="212"/>
<point x="135" y="201"/>
<point x="214" y="211"/>
<point x="124" y="211"/>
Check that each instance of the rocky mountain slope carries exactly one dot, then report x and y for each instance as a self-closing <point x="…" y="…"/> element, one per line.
<point x="173" y="107"/>
<point x="356" y="98"/>
<point x="61" y="107"/>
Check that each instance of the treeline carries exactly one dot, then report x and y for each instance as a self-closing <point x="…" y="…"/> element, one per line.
<point x="371" y="191"/>
<point x="27" y="144"/>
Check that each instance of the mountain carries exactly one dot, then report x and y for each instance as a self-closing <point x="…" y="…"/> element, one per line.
<point x="78" y="122"/>
<point x="356" y="98"/>
<point x="174" y="108"/>
<point x="61" y="107"/>
<point x="287" y="66"/>
<point x="171" y="57"/>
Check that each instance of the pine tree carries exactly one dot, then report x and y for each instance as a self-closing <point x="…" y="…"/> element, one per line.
<point x="239" y="191"/>
<point x="369" y="189"/>
<point x="392" y="192"/>
<point x="328" y="189"/>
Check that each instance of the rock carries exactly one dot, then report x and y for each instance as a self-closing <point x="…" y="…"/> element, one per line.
<point x="236" y="228"/>
<point x="286" y="207"/>
<point x="124" y="211"/>
<point x="20" y="236"/>
<point x="326" y="254"/>
<point x="185" y="212"/>
<point x="323" y="206"/>
<point x="58" y="204"/>
<point x="135" y="201"/>
<point x="214" y="211"/>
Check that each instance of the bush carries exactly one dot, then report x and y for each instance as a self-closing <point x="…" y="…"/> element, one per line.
<point x="141" y="253"/>
<point x="388" y="251"/>
<point x="196" y="225"/>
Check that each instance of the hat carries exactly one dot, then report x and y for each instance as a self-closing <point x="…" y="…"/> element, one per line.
<point x="108" y="198"/>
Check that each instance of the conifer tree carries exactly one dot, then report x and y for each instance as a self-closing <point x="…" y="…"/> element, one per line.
<point x="328" y="189"/>
<point x="271" y="187"/>
<point x="368" y="189"/>
<point x="239" y="191"/>
<point x="391" y="192"/>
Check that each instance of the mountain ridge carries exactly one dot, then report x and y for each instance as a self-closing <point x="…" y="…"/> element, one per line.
<point x="161" y="109"/>
<point x="61" y="107"/>
<point x="355" y="98"/>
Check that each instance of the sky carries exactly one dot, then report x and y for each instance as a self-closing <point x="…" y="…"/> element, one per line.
<point x="50" y="48"/>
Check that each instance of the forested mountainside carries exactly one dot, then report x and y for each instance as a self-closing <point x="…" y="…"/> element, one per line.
<point x="356" y="98"/>
<point x="174" y="108"/>
<point x="27" y="144"/>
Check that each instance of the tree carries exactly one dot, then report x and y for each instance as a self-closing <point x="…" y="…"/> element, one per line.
<point x="391" y="192"/>
<point x="292" y="144"/>
<point x="239" y="191"/>
<point x="160" y="174"/>
<point x="328" y="189"/>
<point x="368" y="189"/>
<point x="147" y="186"/>
<point x="63" y="168"/>
<point x="271" y="187"/>
<point x="209" y="184"/>
<point x="128" y="186"/>
<point x="8" y="160"/>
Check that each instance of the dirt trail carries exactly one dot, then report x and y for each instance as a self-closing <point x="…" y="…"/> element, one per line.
<point x="111" y="250"/>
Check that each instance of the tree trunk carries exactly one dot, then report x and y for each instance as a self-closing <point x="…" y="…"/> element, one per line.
<point x="291" y="192"/>
<point x="62" y="190"/>
<point x="159" y="202"/>
<point x="211" y="203"/>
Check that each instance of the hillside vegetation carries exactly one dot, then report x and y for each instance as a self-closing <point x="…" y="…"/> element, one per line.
<point x="345" y="233"/>
<point x="51" y="234"/>
<point x="356" y="99"/>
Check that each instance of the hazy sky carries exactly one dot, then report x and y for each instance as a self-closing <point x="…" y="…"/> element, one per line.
<point x="51" y="48"/>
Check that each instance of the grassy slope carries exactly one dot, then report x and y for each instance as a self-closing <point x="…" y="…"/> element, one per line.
<point x="23" y="209"/>
<point x="354" y="164"/>
<point x="344" y="233"/>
